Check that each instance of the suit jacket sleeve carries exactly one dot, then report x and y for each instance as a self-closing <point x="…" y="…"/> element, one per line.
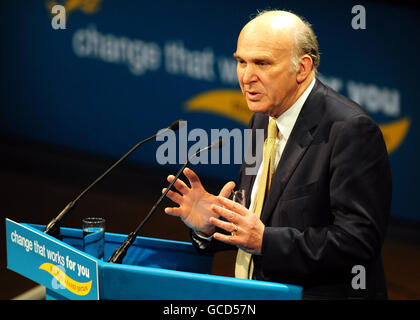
<point x="360" y="193"/>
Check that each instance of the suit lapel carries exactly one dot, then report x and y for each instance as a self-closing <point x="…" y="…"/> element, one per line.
<point x="300" y="139"/>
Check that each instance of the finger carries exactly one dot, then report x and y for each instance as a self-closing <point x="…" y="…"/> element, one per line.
<point x="174" y="211"/>
<point x="228" y="214"/>
<point x="174" y="196"/>
<point x="192" y="178"/>
<point x="232" y="205"/>
<point x="227" y="189"/>
<point x="179" y="184"/>
<point x="227" y="226"/>
<point x="225" y="238"/>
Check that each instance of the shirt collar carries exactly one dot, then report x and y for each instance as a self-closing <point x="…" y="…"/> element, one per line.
<point x="287" y="119"/>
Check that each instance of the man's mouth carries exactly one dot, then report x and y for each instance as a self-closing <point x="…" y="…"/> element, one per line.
<point x="253" y="95"/>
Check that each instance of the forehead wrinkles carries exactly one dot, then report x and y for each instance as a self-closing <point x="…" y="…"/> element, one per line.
<point x="251" y="47"/>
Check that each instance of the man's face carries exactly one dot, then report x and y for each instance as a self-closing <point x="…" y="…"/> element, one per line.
<point x="264" y="71"/>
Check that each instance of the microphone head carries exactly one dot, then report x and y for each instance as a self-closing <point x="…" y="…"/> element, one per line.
<point x="176" y="125"/>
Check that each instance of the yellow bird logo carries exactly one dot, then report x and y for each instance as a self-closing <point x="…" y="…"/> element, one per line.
<point x="79" y="288"/>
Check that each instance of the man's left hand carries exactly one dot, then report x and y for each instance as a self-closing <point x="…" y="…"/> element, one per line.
<point x="245" y="227"/>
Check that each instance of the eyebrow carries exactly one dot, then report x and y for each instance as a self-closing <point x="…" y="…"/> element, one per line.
<point x="257" y="58"/>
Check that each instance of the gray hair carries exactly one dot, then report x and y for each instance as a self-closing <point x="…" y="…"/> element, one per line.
<point x="306" y="43"/>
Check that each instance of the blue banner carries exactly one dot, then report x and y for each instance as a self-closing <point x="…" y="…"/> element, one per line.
<point x="117" y="71"/>
<point x="53" y="264"/>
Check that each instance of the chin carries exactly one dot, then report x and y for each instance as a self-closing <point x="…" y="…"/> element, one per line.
<point x="257" y="107"/>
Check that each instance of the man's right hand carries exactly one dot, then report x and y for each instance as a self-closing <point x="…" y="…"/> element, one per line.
<point x="195" y="203"/>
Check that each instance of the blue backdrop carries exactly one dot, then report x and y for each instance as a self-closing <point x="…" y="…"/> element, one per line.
<point x="123" y="69"/>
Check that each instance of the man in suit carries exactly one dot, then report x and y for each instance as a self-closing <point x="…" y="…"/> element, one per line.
<point x="320" y="202"/>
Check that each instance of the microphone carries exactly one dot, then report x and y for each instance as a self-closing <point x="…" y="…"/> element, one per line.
<point x="120" y="252"/>
<point x="53" y="227"/>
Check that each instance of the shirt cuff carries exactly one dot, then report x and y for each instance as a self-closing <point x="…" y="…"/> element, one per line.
<point x="209" y="238"/>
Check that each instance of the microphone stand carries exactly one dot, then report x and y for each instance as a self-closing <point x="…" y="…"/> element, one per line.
<point x="120" y="253"/>
<point x="53" y="227"/>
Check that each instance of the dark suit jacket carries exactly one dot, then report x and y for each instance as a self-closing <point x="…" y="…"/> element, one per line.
<point x="329" y="202"/>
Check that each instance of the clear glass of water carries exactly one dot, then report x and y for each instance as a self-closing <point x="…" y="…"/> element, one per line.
<point x="239" y="196"/>
<point x="94" y="236"/>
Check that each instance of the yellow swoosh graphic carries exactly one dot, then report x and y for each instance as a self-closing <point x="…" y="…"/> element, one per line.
<point x="232" y="104"/>
<point x="395" y="132"/>
<point x="79" y="288"/>
<point x="87" y="6"/>
<point x="229" y="103"/>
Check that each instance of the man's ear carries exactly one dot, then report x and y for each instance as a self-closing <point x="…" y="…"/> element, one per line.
<point x="305" y="68"/>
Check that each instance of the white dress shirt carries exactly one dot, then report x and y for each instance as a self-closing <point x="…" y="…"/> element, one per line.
<point x="285" y="123"/>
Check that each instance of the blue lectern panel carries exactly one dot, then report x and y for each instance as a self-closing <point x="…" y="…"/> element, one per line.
<point x="50" y="262"/>
<point x="129" y="282"/>
<point x="152" y="269"/>
<point x="159" y="253"/>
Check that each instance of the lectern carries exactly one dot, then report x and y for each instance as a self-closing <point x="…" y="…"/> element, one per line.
<point x="152" y="269"/>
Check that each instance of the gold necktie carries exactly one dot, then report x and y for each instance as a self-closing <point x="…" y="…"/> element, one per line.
<point x="244" y="265"/>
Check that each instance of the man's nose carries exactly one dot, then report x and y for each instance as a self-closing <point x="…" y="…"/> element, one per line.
<point x="249" y="75"/>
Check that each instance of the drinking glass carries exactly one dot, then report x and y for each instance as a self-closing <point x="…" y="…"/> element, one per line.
<point x="239" y="196"/>
<point x="94" y="236"/>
